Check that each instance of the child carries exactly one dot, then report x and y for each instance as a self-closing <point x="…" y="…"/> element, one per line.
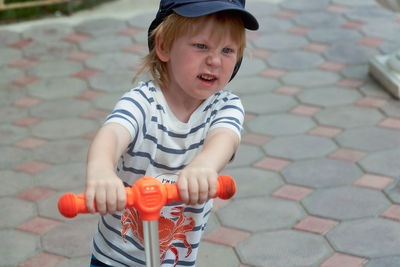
<point x="180" y="128"/>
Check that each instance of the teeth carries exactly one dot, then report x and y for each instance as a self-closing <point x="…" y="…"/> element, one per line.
<point x="207" y="77"/>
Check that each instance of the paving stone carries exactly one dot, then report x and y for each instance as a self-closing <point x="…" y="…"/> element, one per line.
<point x="78" y="261"/>
<point x="332" y="35"/>
<point x="10" y="157"/>
<point x="349" y="53"/>
<point x="370" y="13"/>
<point x="64" y="128"/>
<point x="10" y="93"/>
<point x="392" y="261"/>
<point x="8" y="55"/>
<point x="8" y="37"/>
<point x="56" y="88"/>
<point x="258" y="85"/>
<point x="113" y="61"/>
<point x="355" y="3"/>
<point x="60" y="108"/>
<point x="14" y="182"/>
<point x="141" y="20"/>
<point x="280" y="124"/>
<point x="382" y="162"/>
<point x="310" y="78"/>
<point x="261" y="9"/>
<point x="63" y="151"/>
<point x="251" y="182"/>
<point x="384" y="30"/>
<point x="321" y="173"/>
<point x="105" y="43"/>
<point x="299" y="147"/>
<point x="16" y="246"/>
<point x="10" y="218"/>
<point x="349" y="117"/>
<point x="47" y="32"/>
<point x="371" y="238"/>
<point x="303" y="5"/>
<point x="64" y="176"/>
<point x="43" y="51"/>
<point x="319" y="19"/>
<point x="72" y="238"/>
<point x="268" y="103"/>
<point x="389" y="47"/>
<point x="100" y="26"/>
<point x="220" y="256"/>
<point x="7" y="75"/>
<point x="393" y="191"/>
<point x="280" y="42"/>
<point x="107" y="101"/>
<point x="245" y="156"/>
<point x="373" y="138"/>
<point x="9" y="114"/>
<point x="357" y="71"/>
<point x="303" y="59"/>
<point x="329" y="96"/>
<point x="391" y="109"/>
<point x="270" y="25"/>
<point x="10" y="134"/>
<point x="54" y="68"/>
<point x="112" y="81"/>
<point x="273" y="248"/>
<point x="373" y="89"/>
<point x="251" y="66"/>
<point x="345" y="203"/>
<point x="261" y="214"/>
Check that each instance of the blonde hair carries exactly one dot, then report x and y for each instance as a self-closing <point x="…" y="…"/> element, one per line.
<point x="175" y="26"/>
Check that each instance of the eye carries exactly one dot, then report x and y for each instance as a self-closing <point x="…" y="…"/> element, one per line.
<point x="227" y="50"/>
<point x="200" y="46"/>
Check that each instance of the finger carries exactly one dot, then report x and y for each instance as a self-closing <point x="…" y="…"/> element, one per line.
<point x="203" y="190"/>
<point x="111" y="200"/>
<point x="212" y="185"/>
<point x="101" y="201"/>
<point x="183" y="189"/>
<point x="89" y="195"/>
<point x="121" y="198"/>
<point x="193" y="187"/>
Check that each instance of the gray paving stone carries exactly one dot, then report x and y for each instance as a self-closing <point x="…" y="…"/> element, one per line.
<point x="107" y="101"/>
<point x="299" y="147"/>
<point x="261" y="214"/>
<point x="370" y="13"/>
<point x="389" y="47"/>
<point x="302" y="5"/>
<point x="17" y="246"/>
<point x="7" y="75"/>
<point x="63" y="151"/>
<point x="54" y="68"/>
<point x="112" y="81"/>
<point x="105" y="43"/>
<point x="269" y="25"/>
<point x="8" y="37"/>
<point x="348" y="53"/>
<point x="319" y="19"/>
<point x="304" y="60"/>
<point x="349" y="116"/>
<point x="280" y="41"/>
<point x="268" y="103"/>
<point x="374" y="89"/>
<point x="249" y="85"/>
<point x="281" y="124"/>
<point x="374" y="237"/>
<point x="101" y="26"/>
<point x="79" y="261"/>
<point x="246" y="155"/>
<point x="382" y="162"/>
<point x="10" y="114"/>
<point x="113" y="61"/>
<point x="251" y="67"/>
<point x="64" y="128"/>
<point x="41" y="50"/>
<point x="216" y="255"/>
<point x="391" y="109"/>
<point x="252" y="182"/>
<point x="11" y="157"/>
<point x="56" y="88"/>
<point x="334" y="35"/>
<point x="48" y="32"/>
<point x="283" y="249"/>
<point x="14" y="182"/>
<point x="10" y="134"/>
<point x="321" y="173"/>
<point x="64" y="176"/>
<point x="356" y="71"/>
<point x="9" y="217"/>
<point x="212" y="224"/>
<point x="310" y="78"/>
<point x="384" y="262"/>
<point x="71" y="239"/>
<point x="261" y="9"/>
<point x="384" y="29"/>
<point x="10" y="93"/>
<point x="329" y="96"/>
<point x="9" y="55"/>
<point x="346" y="203"/>
<point x="60" y="108"/>
<point x="354" y="3"/>
<point x="142" y="20"/>
<point x="393" y="191"/>
<point x="373" y="138"/>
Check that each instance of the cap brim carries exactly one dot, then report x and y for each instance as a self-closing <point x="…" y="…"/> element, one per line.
<point x="198" y="9"/>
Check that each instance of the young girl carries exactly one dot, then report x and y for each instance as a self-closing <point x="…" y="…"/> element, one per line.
<point x="180" y="128"/>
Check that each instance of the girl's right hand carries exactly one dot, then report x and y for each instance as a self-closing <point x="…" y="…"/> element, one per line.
<point x="107" y="190"/>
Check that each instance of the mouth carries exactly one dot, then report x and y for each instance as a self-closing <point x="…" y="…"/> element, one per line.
<point x="208" y="78"/>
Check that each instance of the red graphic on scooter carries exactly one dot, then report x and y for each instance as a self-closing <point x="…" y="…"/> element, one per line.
<point x="169" y="230"/>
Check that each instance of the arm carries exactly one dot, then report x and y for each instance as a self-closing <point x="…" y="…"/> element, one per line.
<point x="102" y="184"/>
<point x="197" y="182"/>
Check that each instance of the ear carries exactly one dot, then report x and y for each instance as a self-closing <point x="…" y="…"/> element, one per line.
<point x="162" y="54"/>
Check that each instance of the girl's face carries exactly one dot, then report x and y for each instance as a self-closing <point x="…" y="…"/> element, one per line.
<point x="202" y="64"/>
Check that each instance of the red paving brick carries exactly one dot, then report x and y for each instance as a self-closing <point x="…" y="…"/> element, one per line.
<point x="343" y="260"/>
<point x="30" y="143"/>
<point x="36" y="193"/>
<point x="255" y="139"/>
<point x="325" y="131"/>
<point x="33" y="167"/>
<point x="346" y="154"/>
<point x="272" y="164"/>
<point x="392" y="213"/>
<point x="227" y="236"/>
<point x="38" y="225"/>
<point x="43" y="259"/>
<point x="292" y="192"/>
<point x="316" y="225"/>
<point x="373" y="181"/>
<point x="305" y="110"/>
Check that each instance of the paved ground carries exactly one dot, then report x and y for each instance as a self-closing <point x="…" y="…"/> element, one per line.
<point x="317" y="171"/>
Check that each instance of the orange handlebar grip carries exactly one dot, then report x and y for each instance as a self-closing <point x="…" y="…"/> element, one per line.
<point x="70" y="205"/>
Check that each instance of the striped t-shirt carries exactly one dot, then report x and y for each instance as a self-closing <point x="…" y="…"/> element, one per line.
<point x="161" y="146"/>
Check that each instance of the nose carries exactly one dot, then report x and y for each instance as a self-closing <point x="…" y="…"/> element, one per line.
<point x="213" y="59"/>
